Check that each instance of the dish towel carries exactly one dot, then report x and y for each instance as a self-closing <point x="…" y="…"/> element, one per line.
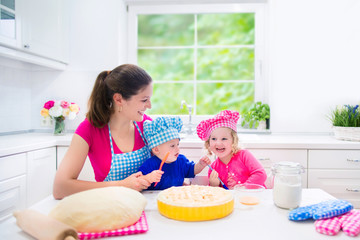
<point x="140" y="226"/>
<point x="322" y="210"/>
<point x="349" y="223"/>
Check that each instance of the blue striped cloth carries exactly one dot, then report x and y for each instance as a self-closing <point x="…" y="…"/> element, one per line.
<point x="322" y="210"/>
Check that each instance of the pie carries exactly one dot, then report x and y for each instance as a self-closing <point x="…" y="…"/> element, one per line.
<point x="195" y="203"/>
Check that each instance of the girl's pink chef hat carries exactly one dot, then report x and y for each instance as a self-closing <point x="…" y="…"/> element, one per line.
<point x="226" y="118"/>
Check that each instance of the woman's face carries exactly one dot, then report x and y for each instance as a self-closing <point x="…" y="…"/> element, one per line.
<point x="135" y="107"/>
<point x="221" y="142"/>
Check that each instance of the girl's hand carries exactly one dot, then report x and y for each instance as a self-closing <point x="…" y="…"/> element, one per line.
<point x="204" y="161"/>
<point x="137" y="182"/>
<point x="213" y="179"/>
<point x="154" y="176"/>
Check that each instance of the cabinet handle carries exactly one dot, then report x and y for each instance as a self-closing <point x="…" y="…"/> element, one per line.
<point x="352" y="190"/>
<point x="264" y="159"/>
<point x="353" y="160"/>
<point x="27" y="46"/>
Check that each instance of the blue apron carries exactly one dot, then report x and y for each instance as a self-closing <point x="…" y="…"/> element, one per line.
<point x="125" y="164"/>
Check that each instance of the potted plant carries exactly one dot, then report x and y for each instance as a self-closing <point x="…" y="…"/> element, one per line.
<point x="257" y="116"/>
<point x="346" y="122"/>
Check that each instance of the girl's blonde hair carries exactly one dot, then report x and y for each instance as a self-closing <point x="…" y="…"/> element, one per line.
<point x="234" y="147"/>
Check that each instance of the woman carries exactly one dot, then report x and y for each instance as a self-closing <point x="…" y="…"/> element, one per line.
<point x="111" y="135"/>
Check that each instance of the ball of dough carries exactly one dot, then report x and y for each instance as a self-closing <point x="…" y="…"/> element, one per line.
<point x="100" y="209"/>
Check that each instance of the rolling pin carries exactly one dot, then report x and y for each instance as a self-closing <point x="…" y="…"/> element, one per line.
<point x="43" y="227"/>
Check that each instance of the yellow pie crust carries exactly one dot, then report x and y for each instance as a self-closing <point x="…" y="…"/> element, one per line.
<point x="195" y="203"/>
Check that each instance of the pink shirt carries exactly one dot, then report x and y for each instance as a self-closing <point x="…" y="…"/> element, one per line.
<point x="242" y="168"/>
<point x="99" y="146"/>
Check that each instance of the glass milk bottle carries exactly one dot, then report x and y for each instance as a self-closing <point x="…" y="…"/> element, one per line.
<point x="287" y="184"/>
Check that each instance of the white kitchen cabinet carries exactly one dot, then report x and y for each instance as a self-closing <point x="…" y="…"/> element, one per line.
<point x="342" y="184"/>
<point x="86" y="174"/>
<point x="25" y="179"/>
<point x="194" y="154"/>
<point x="12" y="184"/>
<point x="12" y="196"/>
<point x="334" y="159"/>
<point x="40" y="35"/>
<point x="337" y="172"/>
<point x="41" y="169"/>
<point x="9" y="23"/>
<point x="44" y="27"/>
<point x="267" y="157"/>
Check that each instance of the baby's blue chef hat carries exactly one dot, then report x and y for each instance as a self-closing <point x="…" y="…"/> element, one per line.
<point x="161" y="130"/>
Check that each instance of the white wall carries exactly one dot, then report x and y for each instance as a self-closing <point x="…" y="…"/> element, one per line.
<point x="97" y="43"/>
<point x="313" y="63"/>
<point x="15" y="96"/>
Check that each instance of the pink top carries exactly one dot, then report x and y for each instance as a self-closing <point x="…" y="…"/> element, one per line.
<point x="242" y="168"/>
<point x="99" y="146"/>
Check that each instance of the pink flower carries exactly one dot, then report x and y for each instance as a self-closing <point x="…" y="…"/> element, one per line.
<point x="64" y="104"/>
<point x="63" y="109"/>
<point x="49" y="104"/>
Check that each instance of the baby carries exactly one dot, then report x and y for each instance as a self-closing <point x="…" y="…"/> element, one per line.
<point x="163" y="137"/>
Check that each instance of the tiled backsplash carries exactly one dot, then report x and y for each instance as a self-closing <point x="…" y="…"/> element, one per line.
<point x="15" y="100"/>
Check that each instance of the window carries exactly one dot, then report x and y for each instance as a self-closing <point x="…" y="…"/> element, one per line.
<point x="208" y="55"/>
<point x="7" y="21"/>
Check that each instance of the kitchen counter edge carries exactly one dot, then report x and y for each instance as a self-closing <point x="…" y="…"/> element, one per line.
<point x="18" y="143"/>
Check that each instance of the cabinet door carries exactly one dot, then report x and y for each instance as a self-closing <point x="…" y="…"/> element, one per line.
<point x="40" y="174"/>
<point x="9" y="23"/>
<point x="86" y="174"/>
<point x="194" y="154"/>
<point x="45" y="29"/>
<point x="12" y="166"/>
<point x="334" y="159"/>
<point x="342" y="184"/>
<point x="12" y="184"/>
<point x="267" y="157"/>
<point x="12" y="195"/>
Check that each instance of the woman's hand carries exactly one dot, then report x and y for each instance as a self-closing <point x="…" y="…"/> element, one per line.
<point x="214" y="179"/>
<point x="137" y="182"/>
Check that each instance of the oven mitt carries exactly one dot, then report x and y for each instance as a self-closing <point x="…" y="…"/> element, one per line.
<point x="322" y="210"/>
<point x="349" y="223"/>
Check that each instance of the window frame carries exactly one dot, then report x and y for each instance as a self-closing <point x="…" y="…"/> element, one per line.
<point x="261" y="82"/>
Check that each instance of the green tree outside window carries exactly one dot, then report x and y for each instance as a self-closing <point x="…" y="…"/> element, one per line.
<point x="205" y="59"/>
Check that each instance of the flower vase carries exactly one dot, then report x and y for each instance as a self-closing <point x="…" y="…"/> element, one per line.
<point x="59" y="126"/>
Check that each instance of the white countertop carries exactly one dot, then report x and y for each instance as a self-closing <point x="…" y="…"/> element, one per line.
<point x="17" y="143"/>
<point x="262" y="221"/>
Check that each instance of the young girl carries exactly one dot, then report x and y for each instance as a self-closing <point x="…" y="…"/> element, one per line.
<point x="232" y="165"/>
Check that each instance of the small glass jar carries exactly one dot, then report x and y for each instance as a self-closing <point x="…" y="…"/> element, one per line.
<point x="287" y="184"/>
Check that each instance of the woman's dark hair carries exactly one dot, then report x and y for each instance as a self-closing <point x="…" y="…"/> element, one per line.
<point x="127" y="80"/>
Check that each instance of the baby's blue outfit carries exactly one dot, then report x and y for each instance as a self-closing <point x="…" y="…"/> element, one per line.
<point x="174" y="173"/>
